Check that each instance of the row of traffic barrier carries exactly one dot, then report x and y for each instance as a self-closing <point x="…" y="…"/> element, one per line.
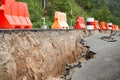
<point x="14" y="15"/>
<point x="60" y="22"/>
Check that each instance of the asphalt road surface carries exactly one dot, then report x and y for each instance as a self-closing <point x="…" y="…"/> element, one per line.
<point x="106" y="63"/>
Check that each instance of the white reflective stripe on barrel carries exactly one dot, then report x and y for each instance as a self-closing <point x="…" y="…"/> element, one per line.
<point x="90" y="19"/>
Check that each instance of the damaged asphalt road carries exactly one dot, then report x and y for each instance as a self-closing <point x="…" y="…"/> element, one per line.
<point x="106" y="64"/>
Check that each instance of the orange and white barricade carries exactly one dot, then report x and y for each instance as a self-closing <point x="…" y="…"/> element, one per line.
<point x="110" y="26"/>
<point x="102" y="25"/>
<point x="90" y="23"/>
<point x="80" y="23"/>
<point x="60" y="21"/>
<point x="96" y="25"/>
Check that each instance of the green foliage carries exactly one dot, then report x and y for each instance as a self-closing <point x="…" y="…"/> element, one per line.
<point x="102" y="10"/>
<point x="114" y="7"/>
<point x="65" y="6"/>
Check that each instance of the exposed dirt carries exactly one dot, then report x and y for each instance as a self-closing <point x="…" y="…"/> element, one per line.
<point x="70" y="69"/>
<point x="41" y="55"/>
<point x="38" y="55"/>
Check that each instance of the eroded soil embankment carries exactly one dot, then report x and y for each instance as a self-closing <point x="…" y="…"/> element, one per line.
<point x="38" y="55"/>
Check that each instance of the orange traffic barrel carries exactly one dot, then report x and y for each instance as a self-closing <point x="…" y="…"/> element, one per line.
<point x="80" y="23"/>
<point x="90" y="23"/>
<point x="102" y="25"/>
<point x="113" y="27"/>
<point x="117" y="28"/>
<point x="96" y="25"/>
<point x="14" y="15"/>
<point x="107" y="26"/>
<point x="60" y="21"/>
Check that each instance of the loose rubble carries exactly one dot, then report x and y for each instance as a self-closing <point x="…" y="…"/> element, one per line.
<point x="110" y="38"/>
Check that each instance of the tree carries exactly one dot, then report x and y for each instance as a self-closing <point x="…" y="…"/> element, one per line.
<point x="99" y="9"/>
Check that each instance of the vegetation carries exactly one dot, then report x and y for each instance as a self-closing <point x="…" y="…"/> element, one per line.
<point x="103" y="10"/>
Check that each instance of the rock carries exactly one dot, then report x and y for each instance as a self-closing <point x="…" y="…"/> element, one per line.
<point x="108" y="39"/>
<point x="7" y="66"/>
<point x="4" y="57"/>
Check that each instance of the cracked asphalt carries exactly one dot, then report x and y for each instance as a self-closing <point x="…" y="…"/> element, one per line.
<point x="106" y="63"/>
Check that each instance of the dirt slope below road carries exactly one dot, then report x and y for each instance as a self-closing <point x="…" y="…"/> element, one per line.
<point x="38" y="55"/>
